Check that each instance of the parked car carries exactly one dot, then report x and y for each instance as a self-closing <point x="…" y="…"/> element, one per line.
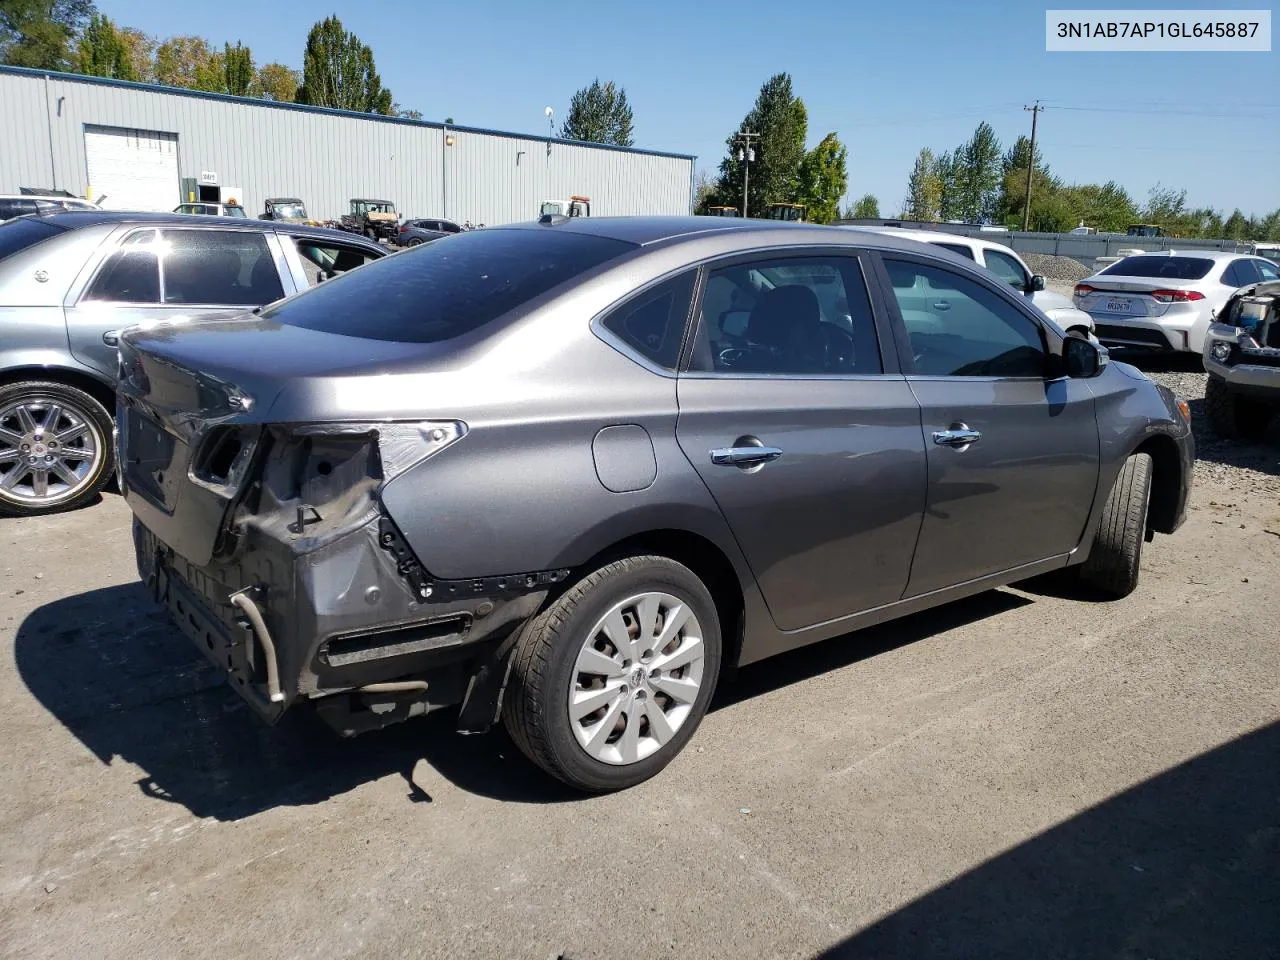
<point x="437" y="225"/>
<point x="19" y="205"/>
<point x="1242" y="357"/>
<point x="69" y="282"/>
<point x="1165" y="300"/>
<point x="415" y="232"/>
<point x="594" y="464"/>
<point x="1009" y="267"/>
<point x="211" y="209"/>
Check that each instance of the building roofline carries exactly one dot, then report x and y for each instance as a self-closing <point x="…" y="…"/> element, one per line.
<point x="329" y="111"/>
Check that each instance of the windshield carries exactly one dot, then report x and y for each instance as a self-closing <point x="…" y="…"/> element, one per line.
<point x="447" y="288"/>
<point x="290" y="211"/>
<point x="17" y="235"/>
<point x="236" y="212"/>
<point x="1164" y="268"/>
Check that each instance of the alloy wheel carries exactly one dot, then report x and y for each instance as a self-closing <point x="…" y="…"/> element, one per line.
<point x="50" y="451"/>
<point x="636" y="678"/>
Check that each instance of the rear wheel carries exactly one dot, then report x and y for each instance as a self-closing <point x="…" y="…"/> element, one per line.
<point x="415" y="242"/>
<point x="611" y="680"/>
<point x="1234" y="416"/>
<point x="372" y="234"/>
<point x="55" y="448"/>
<point x="1113" y="562"/>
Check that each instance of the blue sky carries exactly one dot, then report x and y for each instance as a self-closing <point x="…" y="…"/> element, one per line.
<point x="889" y="78"/>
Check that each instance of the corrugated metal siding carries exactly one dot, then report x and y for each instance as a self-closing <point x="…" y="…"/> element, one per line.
<point x="327" y="159"/>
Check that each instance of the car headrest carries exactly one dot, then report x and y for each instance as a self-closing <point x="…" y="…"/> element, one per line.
<point x="784" y="316"/>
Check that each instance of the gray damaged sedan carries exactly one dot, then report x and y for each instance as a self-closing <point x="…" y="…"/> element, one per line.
<point x="569" y="473"/>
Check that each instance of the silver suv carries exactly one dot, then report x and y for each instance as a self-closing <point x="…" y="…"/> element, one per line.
<point x="69" y="282"/>
<point x="570" y="472"/>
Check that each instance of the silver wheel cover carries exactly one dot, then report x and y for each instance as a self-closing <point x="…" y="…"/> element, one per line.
<point x="636" y="678"/>
<point x="50" y="451"/>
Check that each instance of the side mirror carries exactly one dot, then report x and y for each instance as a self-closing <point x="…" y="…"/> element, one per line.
<point x="1082" y="359"/>
<point x="1037" y="283"/>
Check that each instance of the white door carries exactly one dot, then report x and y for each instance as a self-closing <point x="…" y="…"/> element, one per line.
<point x="132" y="169"/>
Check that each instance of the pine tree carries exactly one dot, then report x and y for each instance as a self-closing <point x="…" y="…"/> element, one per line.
<point x="599" y="113"/>
<point x="338" y="71"/>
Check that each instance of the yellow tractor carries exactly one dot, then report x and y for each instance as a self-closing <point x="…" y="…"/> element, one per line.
<point x="722" y="212"/>
<point x="794" y="212"/>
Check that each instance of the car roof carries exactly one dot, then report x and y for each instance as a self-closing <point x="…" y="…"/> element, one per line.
<point x="79" y="219"/>
<point x="1216" y="255"/>
<point x="650" y="230"/>
<point x="369" y="200"/>
<point x="925" y="236"/>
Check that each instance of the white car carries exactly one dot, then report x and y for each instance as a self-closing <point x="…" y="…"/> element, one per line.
<point x="1007" y="265"/>
<point x="1166" y="300"/>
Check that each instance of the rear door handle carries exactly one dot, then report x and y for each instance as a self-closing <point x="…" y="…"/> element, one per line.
<point x="958" y="436"/>
<point x="749" y="456"/>
<point x="942" y="305"/>
<point x="111" y="338"/>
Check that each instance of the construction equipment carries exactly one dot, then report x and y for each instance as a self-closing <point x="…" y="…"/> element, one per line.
<point x="794" y="212"/>
<point x="721" y="212"/>
<point x="287" y="210"/>
<point x="574" y="206"/>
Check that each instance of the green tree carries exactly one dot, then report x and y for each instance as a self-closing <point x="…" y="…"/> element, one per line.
<point x="338" y="71"/>
<point x="780" y="119"/>
<point x="1108" y="207"/>
<point x="41" y="33"/>
<point x="924" y="188"/>
<point x="1236" y="227"/>
<point x="101" y="51"/>
<point x="867" y="208"/>
<point x="823" y="179"/>
<point x="599" y="113"/>
<point x="189" y="62"/>
<point x="704" y="192"/>
<point x="237" y="69"/>
<point x="978" y="175"/>
<point x="275" y="81"/>
<point x="947" y="167"/>
<point x="140" y="49"/>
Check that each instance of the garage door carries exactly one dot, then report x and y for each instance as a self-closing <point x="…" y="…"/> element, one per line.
<point x="132" y="169"/>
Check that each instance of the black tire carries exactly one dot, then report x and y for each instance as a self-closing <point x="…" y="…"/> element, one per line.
<point x="372" y="234"/>
<point x="1233" y="416"/>
<point x="99" y="471"/>
<point x="415" y="242"/>
<point x="1113" y="563"/>
<point x="535" y="706"/>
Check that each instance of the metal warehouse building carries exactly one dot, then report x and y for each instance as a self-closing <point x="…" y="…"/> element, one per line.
<point x="143" y="147"/>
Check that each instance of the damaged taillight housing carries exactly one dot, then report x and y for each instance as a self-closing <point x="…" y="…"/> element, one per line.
<point x="401" y="444"/>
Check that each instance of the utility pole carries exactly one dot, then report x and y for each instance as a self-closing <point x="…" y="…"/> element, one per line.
<point x="1031" y="166"/>
<point x="746" y="155"/>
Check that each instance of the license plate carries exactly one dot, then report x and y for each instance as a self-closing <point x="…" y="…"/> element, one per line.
<point x="1119" y="306"/>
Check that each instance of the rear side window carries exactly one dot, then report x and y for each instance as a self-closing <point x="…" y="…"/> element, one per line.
<point x="1241" y="273"/>
<point x="653" y="323"/>
<point x="18" y="235"/>
<point x="16" y="207"/>
<point x="957" y="248"/>
<point x="1162" y="268"/>
<point x="447" y="288"/>
<point x="219" y="267"/>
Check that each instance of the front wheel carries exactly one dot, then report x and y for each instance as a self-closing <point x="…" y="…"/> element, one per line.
<point x="55" y="448"/>
<point x="1113" y="563"/>
<point x="610" y="681"/>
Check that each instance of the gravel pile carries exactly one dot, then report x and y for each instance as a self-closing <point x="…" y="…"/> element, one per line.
<point x="1250" y="470"/>
<point x="1056" y="268"/>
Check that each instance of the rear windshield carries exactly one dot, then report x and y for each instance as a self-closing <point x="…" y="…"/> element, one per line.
<point x="447" y="288"/>
<point x="17" y="235"/>
<point x="1166" y="268"/>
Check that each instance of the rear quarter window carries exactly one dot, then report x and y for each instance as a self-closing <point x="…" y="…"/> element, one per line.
<point x="1162" y="268"/>
<point x="18" y="235"/>
<point x="447" y="288"/>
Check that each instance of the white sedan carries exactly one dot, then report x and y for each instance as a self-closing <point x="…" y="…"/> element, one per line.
<point x="1167" y="299"/>
<point x="1008" y="266"/>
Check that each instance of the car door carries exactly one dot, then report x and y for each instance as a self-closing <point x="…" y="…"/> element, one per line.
<point x="805" y="432"/>
<point x="148" y="275"/>
<point x="1013" y="456"/>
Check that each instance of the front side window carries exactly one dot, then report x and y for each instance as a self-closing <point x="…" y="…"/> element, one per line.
<point x="448" y="288"/>
<point x="1006" y="268"/>
<point x="653" y="323"/>
<point x="959" y="328"/>
<point x="219" y="267"/>
<point x="787" y="317"/>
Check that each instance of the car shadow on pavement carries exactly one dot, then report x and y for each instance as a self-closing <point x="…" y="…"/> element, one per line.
<point x="1183" y="865"/>
<point x="109" y="665"/>
<point x="1261" y="455"/>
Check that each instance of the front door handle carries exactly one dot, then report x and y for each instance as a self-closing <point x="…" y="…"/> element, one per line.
<point x="111" y="338"/>
<point x="942" y="305"/>
<point x="748" y="456"/>
<point x="958" y="436"/>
